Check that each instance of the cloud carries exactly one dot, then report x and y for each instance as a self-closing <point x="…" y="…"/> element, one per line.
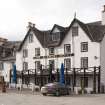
<point x="15" y="14"/>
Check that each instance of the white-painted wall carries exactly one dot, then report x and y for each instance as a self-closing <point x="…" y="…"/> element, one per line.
<point x="93" y="50"/>
<point x="102" y="51"/>
<point x="31" y="53"/>
<point x="19" y="61"/>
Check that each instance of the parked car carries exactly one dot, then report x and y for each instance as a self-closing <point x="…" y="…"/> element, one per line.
<point x="55" y="88"/>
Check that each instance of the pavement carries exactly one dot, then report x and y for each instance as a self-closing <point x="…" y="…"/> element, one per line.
<point x="14" y="97"/>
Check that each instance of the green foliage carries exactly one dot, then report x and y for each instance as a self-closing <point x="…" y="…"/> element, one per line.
<point x="82" y="91"/>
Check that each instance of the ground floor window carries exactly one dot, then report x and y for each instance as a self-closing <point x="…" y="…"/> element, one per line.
<point x="25" y="65"/>
<point x="52" y="63"/>
<point x="68" y="80"/>
<point x="37" y="65"/>
<point x="84" y="62"/>
<point x="67" y="63"/>
<point x="84" y="81"/>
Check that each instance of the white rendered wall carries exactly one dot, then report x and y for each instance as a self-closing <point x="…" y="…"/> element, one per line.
<point x="19" y="61"/>
<point x="102" y="50"/>
<point x="93" y="50"/>
<point x="31" y="53"/>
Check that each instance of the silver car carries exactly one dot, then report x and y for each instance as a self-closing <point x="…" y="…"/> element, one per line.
<point x="56" y="89"/>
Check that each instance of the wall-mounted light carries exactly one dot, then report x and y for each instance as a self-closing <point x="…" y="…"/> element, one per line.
<point x="95" y="57"/>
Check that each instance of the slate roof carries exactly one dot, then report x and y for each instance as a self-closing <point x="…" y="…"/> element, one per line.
<point x="11" y="44"/>
<point x="95" y="31"/>
<point x="9" y="58"/>
<point x="44" y="37"/>
<point x="39" y="34"/>
<point x="8" y="47"/>
<point x="62" y="29"/>
<point x="95" y="23"/>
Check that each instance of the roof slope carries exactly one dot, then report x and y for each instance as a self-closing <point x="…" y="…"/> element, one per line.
<point x="44" y="37"/>
<point x="61" y="29"/>
<point x="95" y="31"/>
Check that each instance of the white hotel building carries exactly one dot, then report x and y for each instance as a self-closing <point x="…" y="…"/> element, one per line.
<point x="80" y="45"/>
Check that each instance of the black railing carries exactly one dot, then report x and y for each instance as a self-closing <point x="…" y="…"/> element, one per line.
<point x="44" y="76"/>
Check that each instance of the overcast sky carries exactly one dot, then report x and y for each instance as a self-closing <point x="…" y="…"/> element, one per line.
<point x="15" y="14"/>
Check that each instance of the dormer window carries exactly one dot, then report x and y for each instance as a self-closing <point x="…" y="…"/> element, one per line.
<point x="75" y="31"/>
<point x="30" y="38"/>
<point x="67" y="49"/>
<point x="51" y="51"/>
<point x="55" y="36"/>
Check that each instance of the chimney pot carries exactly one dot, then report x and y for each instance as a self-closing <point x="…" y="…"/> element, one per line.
<point x="33" y="25"/>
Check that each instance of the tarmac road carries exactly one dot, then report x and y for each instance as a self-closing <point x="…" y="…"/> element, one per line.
<point x="38" y="99"/>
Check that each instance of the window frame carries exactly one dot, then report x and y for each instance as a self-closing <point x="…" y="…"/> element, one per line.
<point x="55" y="36"/>
<point x="82" y="46"/>
<point x="50" y="53"/>
<point x="37" y="53"/>
<point x="25" y="53"/>
<point x="50" y="62"/>
<point x="82" y="62"/>
<point x="65" y="63"/>
<point x="65" y="51"/>
<point x="25" y="65"/>
<point x="30" y="38"/>
<point x="37" y="66"/>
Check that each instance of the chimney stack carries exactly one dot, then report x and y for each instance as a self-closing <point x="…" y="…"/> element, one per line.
<point x="29" y="24"/>
<point x="103" y="16"/>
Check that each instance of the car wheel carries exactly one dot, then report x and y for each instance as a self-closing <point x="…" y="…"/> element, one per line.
<point x="44" y="94"/>
<point x="57" y="93"/>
